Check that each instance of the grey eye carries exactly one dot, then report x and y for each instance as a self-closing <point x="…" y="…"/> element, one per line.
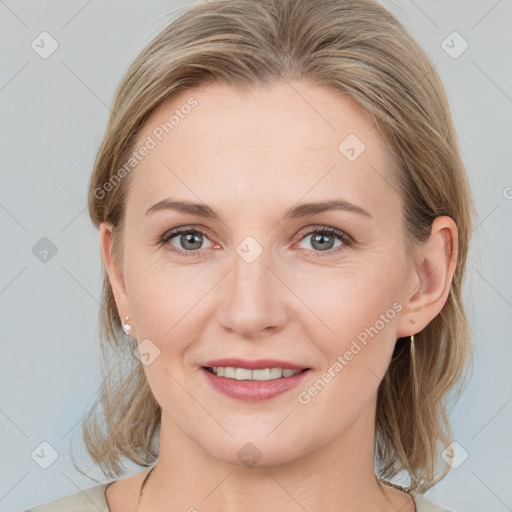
<point x="190" y="240"/>
<point x="322" y="241"/>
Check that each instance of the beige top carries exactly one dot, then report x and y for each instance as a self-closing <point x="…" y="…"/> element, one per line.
<point x="94" y="500"/>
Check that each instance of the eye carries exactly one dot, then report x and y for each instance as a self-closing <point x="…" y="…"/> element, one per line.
<point x="185" y="241"/>
<point x="323" y="240"/>
<point x="188" y="241"/>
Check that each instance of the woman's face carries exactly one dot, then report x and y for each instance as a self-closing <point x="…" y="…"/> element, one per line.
<point x="259" y="279"/>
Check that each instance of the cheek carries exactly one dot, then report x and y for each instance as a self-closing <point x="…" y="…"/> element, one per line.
<point x="164" y="307"/>
<point x="170" y="306"/>
<point x="348" y="299"/>
<point x="165" y="311"/>
<point x="354" y="324"/>
<point x="159" y="292"/>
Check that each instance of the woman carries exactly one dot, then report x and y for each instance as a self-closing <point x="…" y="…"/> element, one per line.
<point x="284" y="220"/>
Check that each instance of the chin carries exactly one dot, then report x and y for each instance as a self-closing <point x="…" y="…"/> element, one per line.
<point x="256" y="450"/>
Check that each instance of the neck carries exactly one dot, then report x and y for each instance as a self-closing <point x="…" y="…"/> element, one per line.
<point x="338" y="475"/>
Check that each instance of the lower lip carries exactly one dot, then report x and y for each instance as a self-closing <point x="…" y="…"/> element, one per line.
<point x="254" y="390"/>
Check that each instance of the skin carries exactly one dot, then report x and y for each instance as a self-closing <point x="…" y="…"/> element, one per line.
<point x="250" y="157"/>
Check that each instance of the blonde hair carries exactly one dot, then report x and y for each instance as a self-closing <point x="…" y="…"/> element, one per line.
<point x="360" y="49"/>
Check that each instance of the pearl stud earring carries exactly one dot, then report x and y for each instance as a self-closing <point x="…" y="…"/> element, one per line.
<point x="126" y="326"/>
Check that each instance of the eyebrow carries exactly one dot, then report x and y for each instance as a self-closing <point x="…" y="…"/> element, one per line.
<point x="299" y="211"/>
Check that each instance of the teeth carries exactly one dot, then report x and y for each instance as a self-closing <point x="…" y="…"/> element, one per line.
<point x="246" y="374"/>
<point x="275" y="373"/>
<point x="241" y="374"/>
<point x="289" y="373"/>
<point x="261" y="374"/>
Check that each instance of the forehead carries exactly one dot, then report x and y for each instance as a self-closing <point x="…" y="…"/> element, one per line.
<point x="272" y="145"/>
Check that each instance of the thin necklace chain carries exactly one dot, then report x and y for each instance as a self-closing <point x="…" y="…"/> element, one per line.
<point x="400" y="488"/>
<point x="385" y="482"/>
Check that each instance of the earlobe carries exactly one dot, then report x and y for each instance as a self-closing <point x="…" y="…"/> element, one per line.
<point x="432" y="277"/>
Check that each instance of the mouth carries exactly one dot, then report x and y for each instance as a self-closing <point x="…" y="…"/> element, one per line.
<point x="253" y="385"/>
<point x="263" y="374"/>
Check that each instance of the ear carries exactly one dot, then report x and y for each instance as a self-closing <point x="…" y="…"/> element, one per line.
<point x="430" y="278"/>
<point x="114" y="271"/>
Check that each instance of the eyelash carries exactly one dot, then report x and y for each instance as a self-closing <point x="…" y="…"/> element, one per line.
<point x="343" y="237"/>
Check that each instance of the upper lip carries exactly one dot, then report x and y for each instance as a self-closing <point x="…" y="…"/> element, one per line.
<point x="257" y="364"/>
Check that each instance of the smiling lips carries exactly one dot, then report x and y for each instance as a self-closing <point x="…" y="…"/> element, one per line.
<point x="258" y="364"/>
<point x="253" y="380"/>
<point x="231" y="372"/>
<point x="261" y="369"/>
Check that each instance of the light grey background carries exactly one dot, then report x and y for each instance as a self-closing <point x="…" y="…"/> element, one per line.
<point x="53" y="114"/>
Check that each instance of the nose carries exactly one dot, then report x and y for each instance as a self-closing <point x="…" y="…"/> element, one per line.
<point x="254" y="299"/>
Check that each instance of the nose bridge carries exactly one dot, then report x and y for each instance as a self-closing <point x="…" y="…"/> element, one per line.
<point x="252" y="303"/>
<point x="250" y="266"/>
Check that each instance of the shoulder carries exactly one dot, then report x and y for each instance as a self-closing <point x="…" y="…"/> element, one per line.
<point x="422" y="503"/>
<point x="89" y="500"/>
<point x="425" y="505"/>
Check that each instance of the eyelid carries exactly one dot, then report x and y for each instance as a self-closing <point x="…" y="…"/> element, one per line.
<point x="183" y="229"/>
<point x="345" y="237"/>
